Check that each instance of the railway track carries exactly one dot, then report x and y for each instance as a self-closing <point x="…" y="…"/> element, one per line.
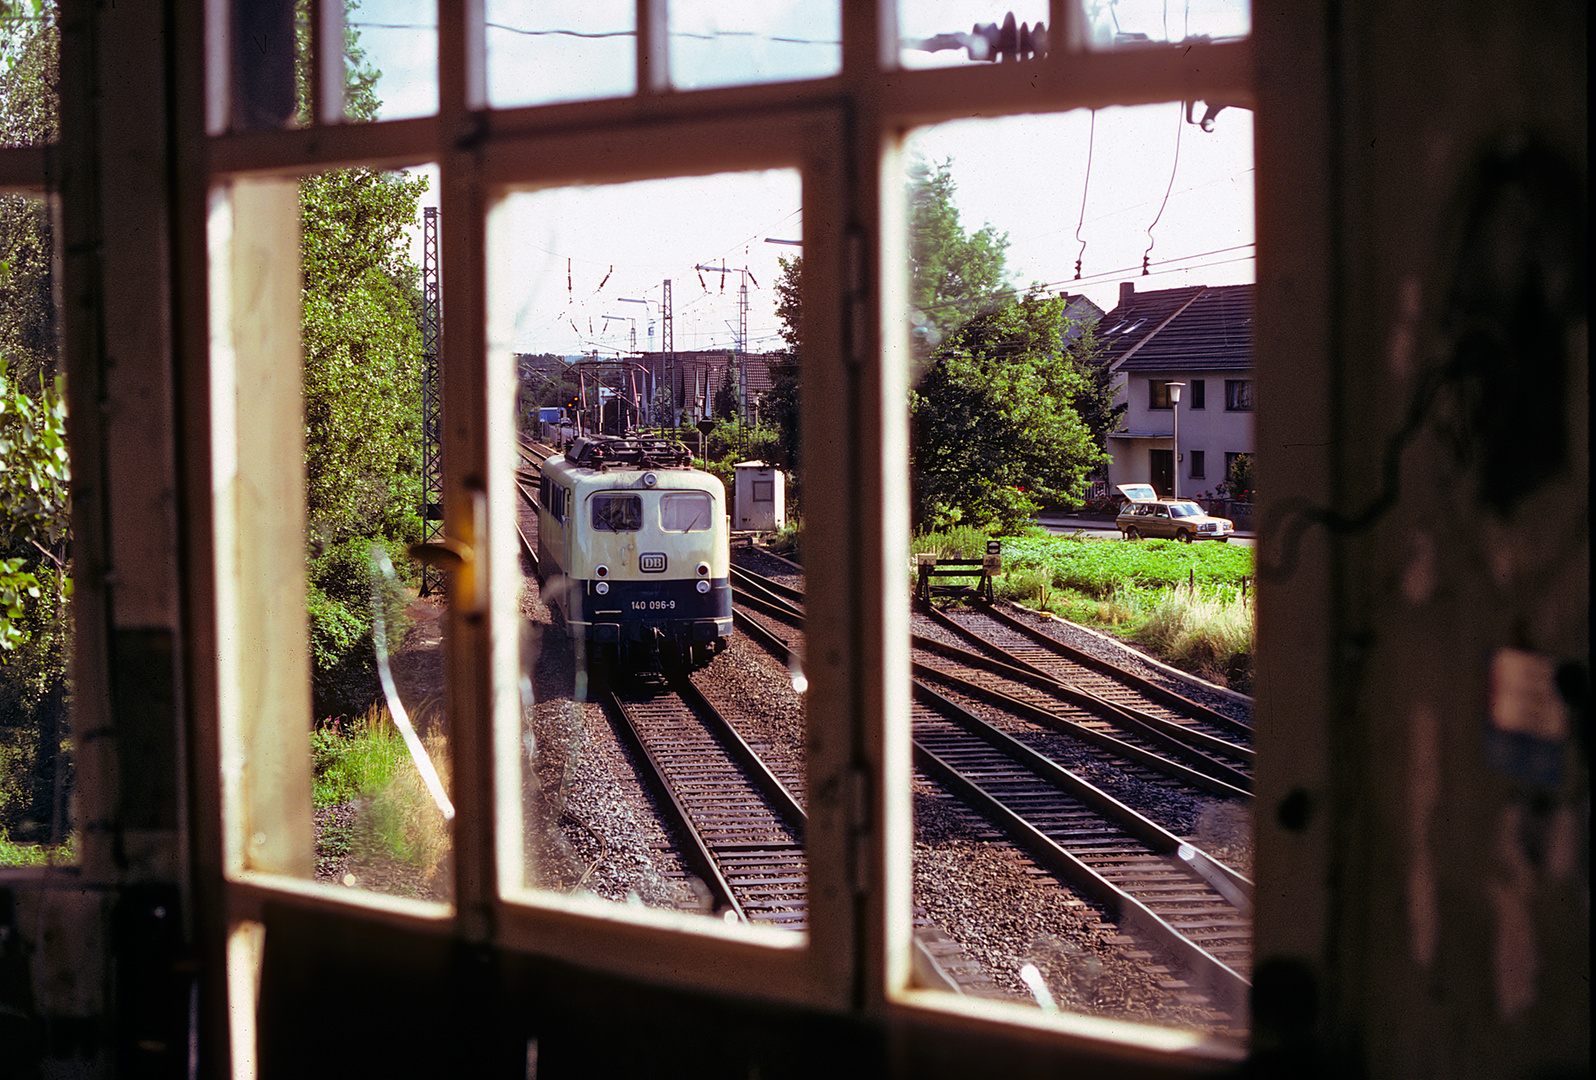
<point x="1148" y="880"/>
<point x="989" y="628"/>
<point x="744" y="832"/>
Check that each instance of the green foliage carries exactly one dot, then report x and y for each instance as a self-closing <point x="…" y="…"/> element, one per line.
<point x="727" y="398"/>
<point x="954" y="275"/>
<point x="35" y="478"/>
<point x="1239" y="484"/>
<point x="362" y="392"/>
<point x="1100" y="567"/>
<point x="29" y="322"/>
<point x="365" y="761"/>
<point x="1188" y="603"/>
<point x="994" y="426"/>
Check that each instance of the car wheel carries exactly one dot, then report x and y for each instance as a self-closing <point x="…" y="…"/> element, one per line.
<point x="1132" y="534"/>
<point x="1183" y="536"/>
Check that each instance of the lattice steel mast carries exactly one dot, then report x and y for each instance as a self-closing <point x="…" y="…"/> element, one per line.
<point x="431" y="398"/>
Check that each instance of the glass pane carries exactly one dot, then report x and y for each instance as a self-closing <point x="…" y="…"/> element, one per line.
<point x="1119" y="24"/>
<point x="1091" y="827"/>
<point x="392" y="58"/>
<point x="720" y="43"/>
<point x="35" y="546"/>
<point x="29" y="47"/>
<point x="539" y="53"/>
<point x="379" y="746"/>
<point x="655" y="367"/>
<point x="936" y="33"/>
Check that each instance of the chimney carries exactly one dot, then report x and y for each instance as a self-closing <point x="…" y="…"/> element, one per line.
<point x="1127" y="289"/>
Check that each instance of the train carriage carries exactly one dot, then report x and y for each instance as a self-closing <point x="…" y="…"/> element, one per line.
<point x="634" y="550"/>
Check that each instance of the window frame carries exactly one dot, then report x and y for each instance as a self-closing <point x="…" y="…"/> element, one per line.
<point x="1238" y="395"/>
<point x="845" y="135"/>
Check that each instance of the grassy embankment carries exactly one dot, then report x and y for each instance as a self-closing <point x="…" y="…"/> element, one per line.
<point x="365" y="763"/>
<point x="1187" y="603"/>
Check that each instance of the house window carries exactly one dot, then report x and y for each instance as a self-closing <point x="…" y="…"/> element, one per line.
<point x="1198" y="466"/>
<point x="1199" y="393"/>
<point x="1238" y="395"/>
<point x="1158" y="394"/>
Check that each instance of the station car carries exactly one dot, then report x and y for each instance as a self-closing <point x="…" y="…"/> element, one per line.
<point x="634" y="552"/>
<point x="1144" y="514"/>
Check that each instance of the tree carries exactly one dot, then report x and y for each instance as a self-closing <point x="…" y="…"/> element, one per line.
<point x="29" y="325"/>
<point x="35" y="538"/>
<point x="781" y="403"/>
<point x="35" y="582"/>
<point x="953" y="275"/>
<point x="361" y="301"/>
<point x="993" y="424"/>
<point x="726" y="403"/>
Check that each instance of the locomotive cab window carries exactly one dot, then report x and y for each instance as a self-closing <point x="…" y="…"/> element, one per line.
<point x="687" y="512"/>
<point x="618" y="513"/>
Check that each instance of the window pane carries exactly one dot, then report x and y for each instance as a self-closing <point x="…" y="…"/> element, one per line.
<point x="379" y="742"/>
<point x="721" y="43"/>
<point x="35" y="546"/>
<point x="29" y="47"/>
<point x="617" y="513"/>
<point x="1022" y="399"/>
<point x="684" y="513"/>
<point x="392" y="57"/>
<point x="539" y="53"/>
<point x="643" y="320"/>
<point x="1120" y="24"/>
<point x="935" y="33"/>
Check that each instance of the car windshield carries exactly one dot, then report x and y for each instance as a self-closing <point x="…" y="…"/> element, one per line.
<point x="1185" y="510"/>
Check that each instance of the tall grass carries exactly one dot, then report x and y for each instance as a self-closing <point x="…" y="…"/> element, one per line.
<point x="365" y="762"/>
<point x="1210" y="633"/>
<point x="15" y="855"/>
<point x="1186" y="602"/>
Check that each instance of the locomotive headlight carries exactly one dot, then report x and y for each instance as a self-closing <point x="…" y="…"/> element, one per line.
<point x="602" y="588"/>
<point x="703" y="586"/>
<point x="703" y="570"/>
<point x="649" y="479"/>
<point x="601" y="571"/>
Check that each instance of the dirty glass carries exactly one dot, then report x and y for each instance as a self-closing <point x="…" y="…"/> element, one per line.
<point x="664" y="762"/>
<point x="1026" y="237"/>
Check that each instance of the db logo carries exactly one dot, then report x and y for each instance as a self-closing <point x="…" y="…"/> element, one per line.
<point x="652" y="563"/>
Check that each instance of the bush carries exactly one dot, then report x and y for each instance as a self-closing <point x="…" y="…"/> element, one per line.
<point x="338" y="601"/>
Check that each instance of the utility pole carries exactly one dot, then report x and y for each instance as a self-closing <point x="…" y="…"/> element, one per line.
<point x="741" y="351"/>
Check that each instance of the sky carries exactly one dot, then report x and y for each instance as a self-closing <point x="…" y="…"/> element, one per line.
<point x="1108" y="189"/>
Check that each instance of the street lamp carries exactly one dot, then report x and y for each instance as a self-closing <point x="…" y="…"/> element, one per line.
<point x="1174" y="405"/>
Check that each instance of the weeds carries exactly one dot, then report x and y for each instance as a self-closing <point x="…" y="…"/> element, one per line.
<point x="15" y="855"/>
<point x="365" y="763"/>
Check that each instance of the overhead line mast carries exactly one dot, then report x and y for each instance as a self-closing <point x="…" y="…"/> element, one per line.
<point x="431" y="399"/>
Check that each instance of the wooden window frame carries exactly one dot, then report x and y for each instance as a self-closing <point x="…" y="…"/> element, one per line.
<point x="845" y="135"/>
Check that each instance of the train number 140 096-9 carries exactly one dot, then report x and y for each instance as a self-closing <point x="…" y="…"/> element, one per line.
<point x="653" y="605"/>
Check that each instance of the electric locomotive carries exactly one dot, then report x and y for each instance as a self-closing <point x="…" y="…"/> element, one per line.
<point x="634" y="551"/>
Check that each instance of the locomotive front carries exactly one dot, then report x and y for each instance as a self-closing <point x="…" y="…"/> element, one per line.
<point x="647" y="554"/>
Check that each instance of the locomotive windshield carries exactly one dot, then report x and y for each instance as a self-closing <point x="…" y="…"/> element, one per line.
<point x="617" y="513"/>
<point x="687" y="511"/>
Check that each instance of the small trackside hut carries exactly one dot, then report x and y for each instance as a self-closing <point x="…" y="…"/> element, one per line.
<point x="634" y="552"/>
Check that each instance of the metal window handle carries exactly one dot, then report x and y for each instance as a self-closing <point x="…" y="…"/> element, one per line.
<point x="456" y="552"/>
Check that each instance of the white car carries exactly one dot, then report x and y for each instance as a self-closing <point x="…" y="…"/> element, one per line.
<point x="1145" y="514"/>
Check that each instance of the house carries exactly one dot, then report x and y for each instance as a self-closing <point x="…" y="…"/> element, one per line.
<point x="1194" y="343"/>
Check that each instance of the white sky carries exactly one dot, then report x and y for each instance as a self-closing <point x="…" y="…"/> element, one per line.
<point x="1025" y="175"/>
